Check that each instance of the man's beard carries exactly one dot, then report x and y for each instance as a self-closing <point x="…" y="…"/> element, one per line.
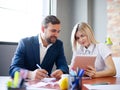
<point x="51" y="39"/>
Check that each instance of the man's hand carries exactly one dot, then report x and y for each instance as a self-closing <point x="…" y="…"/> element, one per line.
<point x="57" y="74"/>
<point x="37" y="74"/>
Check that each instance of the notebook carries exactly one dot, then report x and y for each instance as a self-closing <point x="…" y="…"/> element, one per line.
<point x="82" y="61"/>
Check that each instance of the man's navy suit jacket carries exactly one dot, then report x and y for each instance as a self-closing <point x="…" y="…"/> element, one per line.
<point x="27" y="55"/>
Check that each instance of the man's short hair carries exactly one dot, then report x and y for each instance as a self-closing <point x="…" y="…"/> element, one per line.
<point x="50" y="19"/>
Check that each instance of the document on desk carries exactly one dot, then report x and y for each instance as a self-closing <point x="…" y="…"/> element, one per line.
<point x="103" y="87"/>
<point x="46" y="83"/>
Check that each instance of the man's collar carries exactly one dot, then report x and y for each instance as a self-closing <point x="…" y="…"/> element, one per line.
<point x="40" y="41"/>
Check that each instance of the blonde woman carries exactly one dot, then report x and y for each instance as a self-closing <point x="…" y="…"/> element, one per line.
<point x="84" y="43"/>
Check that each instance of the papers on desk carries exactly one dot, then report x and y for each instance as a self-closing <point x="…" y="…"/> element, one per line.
<point x="48" y="80"/>
<point x="33" y="88"/>
<point x="103" y="87"/>
<point x="45" y="83"/>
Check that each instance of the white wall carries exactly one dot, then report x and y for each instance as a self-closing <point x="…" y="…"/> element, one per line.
<point x="100" y="19"/>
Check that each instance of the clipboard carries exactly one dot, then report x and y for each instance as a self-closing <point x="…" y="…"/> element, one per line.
<point x="82" y="61"/>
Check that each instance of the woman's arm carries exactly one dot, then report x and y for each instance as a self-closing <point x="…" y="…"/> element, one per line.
<point x="109" y="71"/>
<point x="110" y="68"/>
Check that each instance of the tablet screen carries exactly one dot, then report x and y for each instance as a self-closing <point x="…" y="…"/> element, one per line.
<point x="82" y="61"/>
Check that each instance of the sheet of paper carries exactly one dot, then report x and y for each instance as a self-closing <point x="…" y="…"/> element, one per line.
<point x="48" y="80"/>
<point x="33" y="88"/>
<point x="103" y="87"/>
<point x="45" y="83"/>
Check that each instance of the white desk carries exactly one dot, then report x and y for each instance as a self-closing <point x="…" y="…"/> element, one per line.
<point x="3" y="81"/>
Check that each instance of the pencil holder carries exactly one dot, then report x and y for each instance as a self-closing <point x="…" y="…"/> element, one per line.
<point x="76" y="83"/>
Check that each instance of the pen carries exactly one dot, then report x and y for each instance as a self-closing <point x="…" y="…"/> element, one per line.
<point x="102" y="83"/>
<point x="72" y="73"/>
<point x="81" y="72"/>
<point x="38" y="66"/>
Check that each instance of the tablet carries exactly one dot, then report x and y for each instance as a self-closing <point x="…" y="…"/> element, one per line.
<point x="82" y="61"/>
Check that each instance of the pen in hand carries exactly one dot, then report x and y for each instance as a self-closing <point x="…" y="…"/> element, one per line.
<point x="38" y="66"/>
<point x="41" y="68"/>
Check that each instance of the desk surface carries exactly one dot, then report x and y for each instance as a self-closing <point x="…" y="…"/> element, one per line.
<point x="111" y="80"/>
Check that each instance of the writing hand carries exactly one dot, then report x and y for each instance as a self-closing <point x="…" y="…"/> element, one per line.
<point x="38" y="74"/>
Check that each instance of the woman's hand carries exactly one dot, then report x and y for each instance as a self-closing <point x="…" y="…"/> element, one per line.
<point x="90" y="71"/>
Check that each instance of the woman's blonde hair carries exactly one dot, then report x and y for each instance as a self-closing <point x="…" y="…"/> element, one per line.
<point x="84" y="28"/>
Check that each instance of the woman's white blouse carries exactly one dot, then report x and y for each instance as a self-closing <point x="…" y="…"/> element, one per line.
<point x="100" y="50"/>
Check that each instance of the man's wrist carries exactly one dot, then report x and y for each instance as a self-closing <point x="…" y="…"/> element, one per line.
<point x="30" y="75"/>
<point x="24" y="73"/>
